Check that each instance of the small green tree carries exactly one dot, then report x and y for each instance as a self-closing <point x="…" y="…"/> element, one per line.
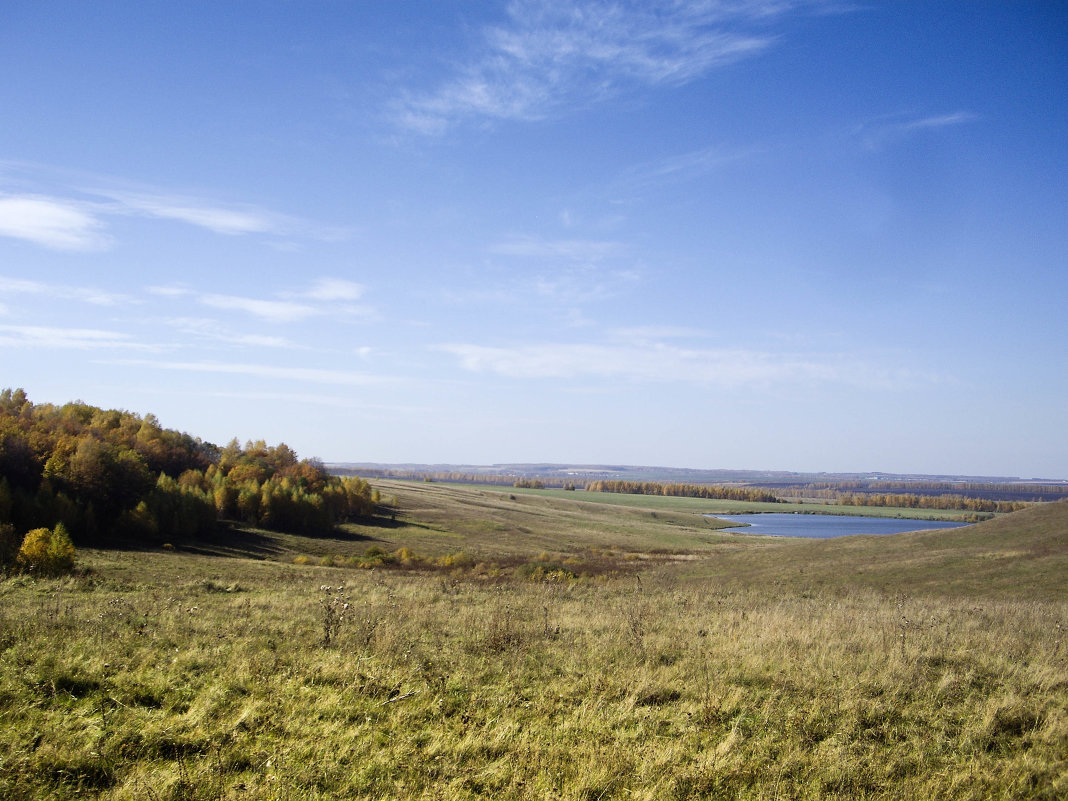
<point x="47" y="552"/>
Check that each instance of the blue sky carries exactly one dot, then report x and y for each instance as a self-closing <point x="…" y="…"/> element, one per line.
<point x="766" y="235"/>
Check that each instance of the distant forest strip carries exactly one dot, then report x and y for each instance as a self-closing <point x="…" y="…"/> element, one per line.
<point x="909" y="501"/>
<point x="111" y="475"/>
<point x="1031" y="493"/>
<point x="452" y="477"/>
<point x="684" y="490"/>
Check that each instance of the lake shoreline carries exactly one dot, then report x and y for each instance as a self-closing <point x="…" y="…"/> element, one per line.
<point x="829" y="526"/>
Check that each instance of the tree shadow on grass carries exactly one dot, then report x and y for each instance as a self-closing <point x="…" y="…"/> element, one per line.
<point x="226" y="540"/>
<point x="233" y="539"/>
<point x="255" y="543"/>
<point x="234" y="542"/>
<point x="390" y="523"/>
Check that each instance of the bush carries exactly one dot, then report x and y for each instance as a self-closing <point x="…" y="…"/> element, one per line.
<point x="458" y="559"/>
<point x="545" y="571"/>
<point x="47" y="552"/>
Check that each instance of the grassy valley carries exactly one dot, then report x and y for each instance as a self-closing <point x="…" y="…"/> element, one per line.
<point x="514" y="644"/>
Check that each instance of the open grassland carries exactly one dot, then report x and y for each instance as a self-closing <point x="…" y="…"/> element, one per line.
<point x="487" y="521"/>
<point x="716" y="506"/>
<point x="924" y="665"/>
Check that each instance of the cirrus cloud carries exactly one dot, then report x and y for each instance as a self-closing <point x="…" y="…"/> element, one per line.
<point x="548" y="54"/>
<point x="655" y="362"/>
<point x="67" y="338"/>
<point x="64" y="210"/>
<point x="306" y="375"/>
<point x="96" y="297"/>
<point x="279" y="311"/>
<point x="54" y="223"/>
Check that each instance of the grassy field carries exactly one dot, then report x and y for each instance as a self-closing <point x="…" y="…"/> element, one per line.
<point x="645" y="656"/>
<point x="714" y="506"/>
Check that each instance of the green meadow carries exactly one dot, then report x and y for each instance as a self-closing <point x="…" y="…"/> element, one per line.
<point x="474" y="642"/>
<point x="726" y="507"/>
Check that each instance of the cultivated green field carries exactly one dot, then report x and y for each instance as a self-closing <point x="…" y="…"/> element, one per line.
<point x="528" y="646"/>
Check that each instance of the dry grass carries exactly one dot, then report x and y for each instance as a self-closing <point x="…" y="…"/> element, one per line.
<point x="175" y="675"/>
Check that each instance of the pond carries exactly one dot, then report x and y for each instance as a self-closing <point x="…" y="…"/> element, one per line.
<point x="826" y="526"/>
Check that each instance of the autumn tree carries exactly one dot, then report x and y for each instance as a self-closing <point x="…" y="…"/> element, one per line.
<point x="46" y="552"/>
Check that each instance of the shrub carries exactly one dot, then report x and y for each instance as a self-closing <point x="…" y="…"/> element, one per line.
<point x="458" y="559"/>
<point x="545" y="571"/>
<point x="47" y="552"/>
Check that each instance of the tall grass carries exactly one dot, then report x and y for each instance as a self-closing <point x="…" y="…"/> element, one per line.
<point x="170" y="676"/>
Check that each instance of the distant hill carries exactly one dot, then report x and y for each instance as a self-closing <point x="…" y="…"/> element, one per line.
<point x="786" y="484"/>
<point x="655" y="473"/>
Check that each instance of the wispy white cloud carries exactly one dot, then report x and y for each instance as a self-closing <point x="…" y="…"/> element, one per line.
<point x="212" y="330"/>
<point x="571" y="249"/>
<point x="275" y="372"/>
<point x="940" y="121"/>
<point x="278" y="311"/>
<point x="221" y="220"/>
<point x="566" y="271"/>
<point x="169" y="291"/>
<point x="548" y="54"/>
<point x="584" y="285"/>
<point x="55" y="223"/>
<point x="229" y="219"/>
<point x="574" y="318"/>
<point x="492" y="296"/>
<point x="549" y="283"/>
<point x="71" y="338"/>
<point x="98" y="297"/>
<point x="334" y="289"/>
<point x="71" y="211"/>
<point x="343" y="401"/>
<point x="677" y="169"/>
<point x="650" y="362"/>
<point x="354" y="402"/>
<point x="653" y="333"/>
<point x="878" y="133"/>
<point x="325" y="296"/>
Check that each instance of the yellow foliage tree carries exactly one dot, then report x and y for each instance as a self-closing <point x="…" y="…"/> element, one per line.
<point x="47" y="552"/>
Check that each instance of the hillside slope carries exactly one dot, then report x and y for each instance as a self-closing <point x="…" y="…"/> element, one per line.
<point x="1021" y="556"/>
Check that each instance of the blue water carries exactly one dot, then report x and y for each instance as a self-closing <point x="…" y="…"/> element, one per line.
<point x="826" y="526"/>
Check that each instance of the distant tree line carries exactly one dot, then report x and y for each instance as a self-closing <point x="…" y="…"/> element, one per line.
<point x="912" y="501"/>
<point x="684" y="490"/>
<point x="1029" y="493"/>
<point x="114" y="475"/>
<point x="454" y="477"/>
<point x="529" y="483"/>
